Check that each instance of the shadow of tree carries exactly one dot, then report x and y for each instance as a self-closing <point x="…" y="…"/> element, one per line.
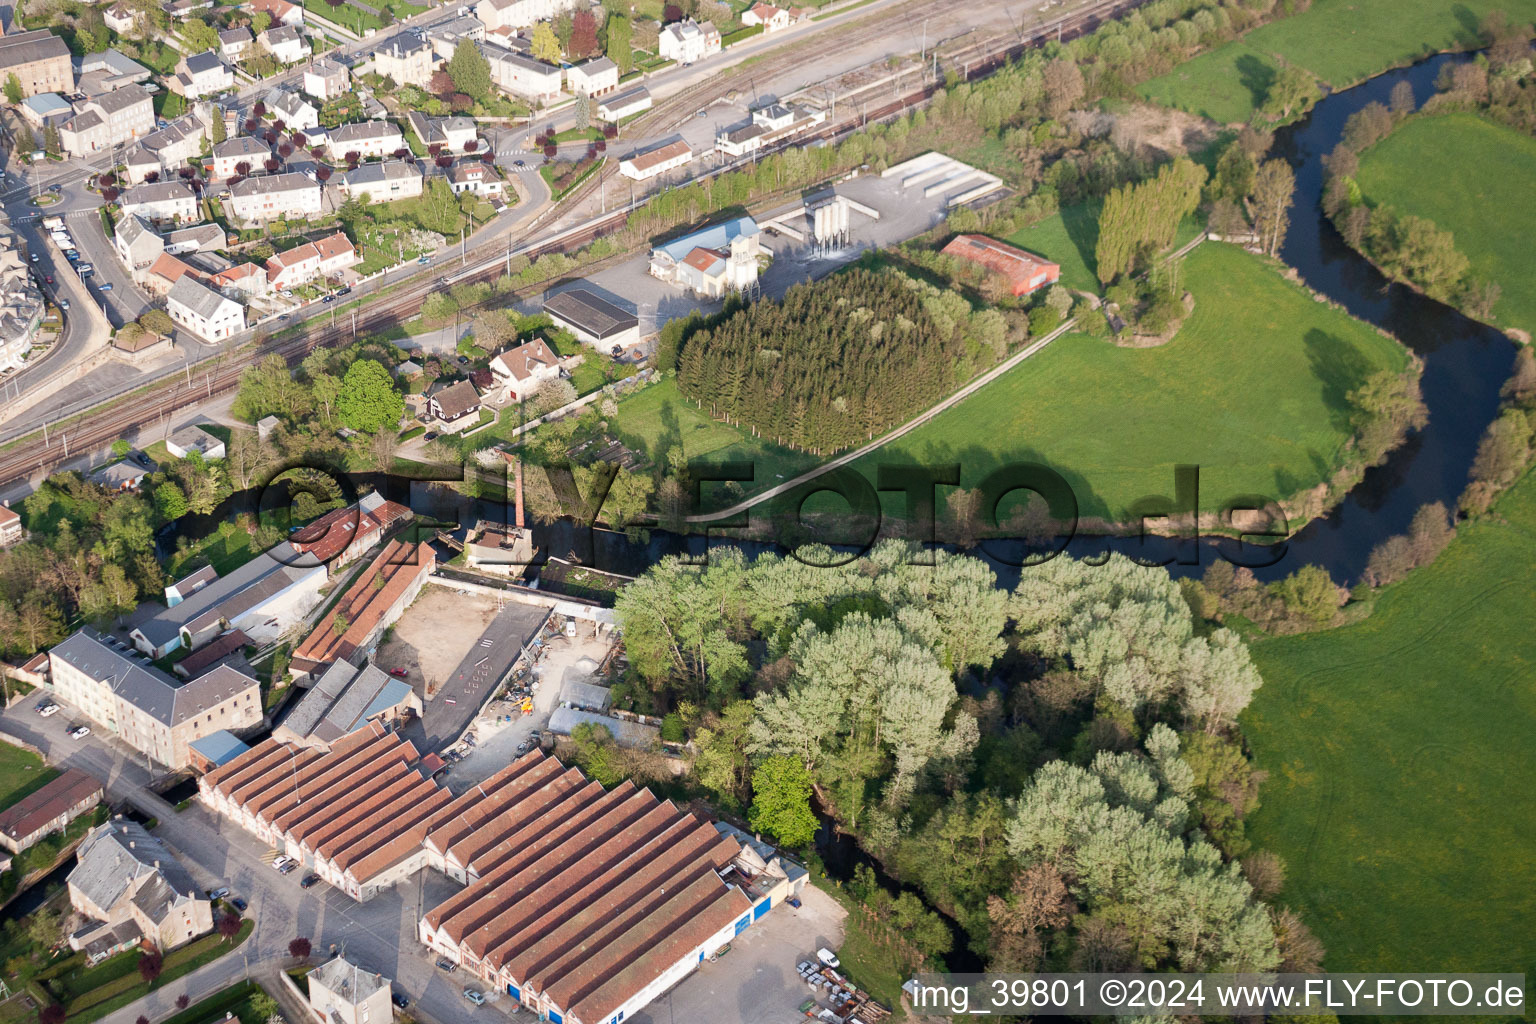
<point x="1340" y="368"/>
<point x="1081" y="222"/>
<point x="1257" y="75"/>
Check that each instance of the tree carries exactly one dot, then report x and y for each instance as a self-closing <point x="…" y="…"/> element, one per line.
<point x="170" y="502"/>
<point x="368" y="400"/>
<point x="621" y="43"/>
<point x="1310" y="593"/>
<point x="1273" y="187"/>
<point x="1063" y="82"/>
<point x="121" y="448"/>
<point x="1140" y="220"/>
<point x="260" y="21"/>
<point x="263" y="1006"/>
<point x="183" y="1001"/>
<point x="51" y="141"/>
<point x="199" y="36"/>
<point x="13" y="93"/>
<point x="150" y="966"/>
<point x="781" y="802"/>
<point x="544" y="46"/>
<point x="1293" y="90"/>
<point x="46" y="929"/>
<point x="583" y="34"/>
<point x="299" y="948"/>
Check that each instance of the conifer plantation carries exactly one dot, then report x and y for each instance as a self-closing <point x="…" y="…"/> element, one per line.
<point x="836" y="363"/>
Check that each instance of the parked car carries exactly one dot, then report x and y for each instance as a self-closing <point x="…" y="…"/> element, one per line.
<point x="329" y="298"/>
<point x="218" y="894"/>
<point x="35" y="257"/>
<point x="474" y="996"/>
<point x="828" y="957"/>
<point x="522" y="748"/>
<point x="423" y="261"/>
<point x="85" y="268"/>
<point x="55" y="189"/>
<point x="398" y="998"/>
<point x="463" y="360"/>
<point x="283" y="317"/>
<point x="48" y="278"/>
<point x="107" y="287"/>
<point x="288" y="867"/>
<point x="445" y="964"/>
<point x="345" y="291"/>
<point x="80" y="732"/>
<point x="48" y="710"/>
<point x="238" y="903"/>
<point x="64" y="304"/>
<point x="277" y="865"/>
<point x="308" y="880"/>
<point x="397" y="671"/>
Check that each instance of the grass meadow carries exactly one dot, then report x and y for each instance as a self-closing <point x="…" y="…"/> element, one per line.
<point x="1266" y="366"/>
<point x="1401" y="790"/>
<point x="1339" y="41"/>
<point x="1489" y="211"/>
<point x="21" y="772"/>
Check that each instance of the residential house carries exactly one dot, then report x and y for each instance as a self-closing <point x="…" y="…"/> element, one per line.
<point x="164" y="151"/>
<point x="196" y="239"/>
<point x="454" y="406"/>
<point x="11" y="529"/>
<point x="713" y="261"/>
<point x="343" y="993"/>
<point x="228" y="156"/>
<point x="108" y="71"/>
<point x="288" y="195"/>
<point x="181" y="9"/>
<point x="365" y="139"/>
<point x="40" y="61"/>
<point x="159" y="202"/>
<point x="595" y="77"/>
<point x="162" y="275"/>
<point x="687" y="41"/>
<point x="652" y="162"/>
<point x="108" y="120"/>
<point x="136" y="243"/>
<point x="523" y="76"/>
<point x="120" y="19"/>
<point x="122" y="475"/>
<point x="405" y="57"/>
<point x="202" y="74"/>
<point x="48" y="810"/>
<point x="474" y="176"/>
<point x="518" y="371"/>
<point x="126" y="878"/>
<point x="242" y="282"/>
<point x="453" y="134"/>
<point x="193" y="438"/>
<point x="21" y="303"/>
<point x="152" y="712"/>
<point x="203" y="311"/>
<point x="513" y="14"/>
<point x="625" y="104"/>
<point x="593" y="319"/>
<point x="319" y="259"/>
<point x="235" y="43"/>
<point x="1024" y="271"/>
<point x="325" y="79"/>
<point x="280" y="11"/>
<point x="446" y="36"/>
<point x="770" y="17"/>
<point x="297" y="112"/>
<point x="285" y="42"/>
<point x="382" y="182"/>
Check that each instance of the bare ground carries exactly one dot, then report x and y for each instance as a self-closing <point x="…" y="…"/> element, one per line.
<point x="435" y="634"/>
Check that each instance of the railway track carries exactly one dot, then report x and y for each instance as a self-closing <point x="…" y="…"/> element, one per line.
<point x="98" y="428"/>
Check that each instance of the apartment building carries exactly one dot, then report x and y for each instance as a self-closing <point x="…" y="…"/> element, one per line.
<point x="687" y="41"/>
<point x="108" y="120"/>
<point x="382" y="182"/>
<point x="40" y="61"/>
<point x="203" y="311"/>
<point x="202" y="74"/>
<point x="288" y="195"/>
<point x="596" y="77"/>
<point x="325" y="79"/>
<point x="522" y="76"/>
<point x="311" y="261"/>
<point x="228" y="156"/>
<point x="160" y="201"/>
<point x="513" y="14"/>
<point x="364" y="138"/>
<point x="405" y="57"/>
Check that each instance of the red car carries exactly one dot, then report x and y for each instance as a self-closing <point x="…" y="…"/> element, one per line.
<point x="48" y="278"/>
<point x="397" y="672"/>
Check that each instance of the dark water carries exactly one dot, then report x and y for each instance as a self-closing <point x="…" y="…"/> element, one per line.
<point x="38" y="892"/>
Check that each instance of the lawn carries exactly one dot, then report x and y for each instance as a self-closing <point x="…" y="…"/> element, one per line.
<point x="226" y="549"/>
<point x="119" y="988"/>
<point x="1401" y="790"/>
<point x="1339" y="41"/>
<point x="1069" y="236"/>
<point x="656" y="418"/>
<point x="1252" y="390"/>
<point x="1490" y="213"/>
<point x="21" y="772"/>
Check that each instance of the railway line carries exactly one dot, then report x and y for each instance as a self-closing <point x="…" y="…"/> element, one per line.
<point x="158" y="402"/>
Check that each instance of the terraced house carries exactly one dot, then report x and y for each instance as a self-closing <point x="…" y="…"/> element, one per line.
<point x="154" y="713"/>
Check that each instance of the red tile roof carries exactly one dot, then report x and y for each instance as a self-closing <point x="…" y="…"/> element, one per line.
<point x="1024" y="270"/>
<point x="399" y="566"/>
<point x="334" y="532"/>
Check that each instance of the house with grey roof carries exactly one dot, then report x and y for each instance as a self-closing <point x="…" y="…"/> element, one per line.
<point x="235" y="43"/>
<point x="122" y="475"/>
<point x="344" y="699"/>
<point x="160" y="201"/>
<point x="123" y="692"/>
<point x="229" y="155"/>
<point x="342" y="992"/>
<point x="193" y="438"/>
<point x="203" y="311"/>
<point x="137" y="244"/>
<point x="197" y="238"/>
<point x="298" y="114"/>
<point x="285" y="42"/>
<point x="108" y="71"/>
<point x="272" y="196"/>
<point x="124" y="876"/>
<point x="202" y="74"/>
<point x="382" y="182"/>
<point x="264" y="597"/>
<point x="365" y="138"/>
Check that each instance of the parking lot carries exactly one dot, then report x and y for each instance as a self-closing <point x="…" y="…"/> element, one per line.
<point x="756" y="982"/>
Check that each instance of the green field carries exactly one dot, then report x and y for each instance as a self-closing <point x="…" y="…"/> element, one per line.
<point x="1339" y="41"/>
<point x="1401" y="790"/>
<point x="656" y="418"/>
<point x="1069" y="236"/>
<point x="1490" y="214"/>
<point x="1252" y="390"/>
<point x="21" y="772"/>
